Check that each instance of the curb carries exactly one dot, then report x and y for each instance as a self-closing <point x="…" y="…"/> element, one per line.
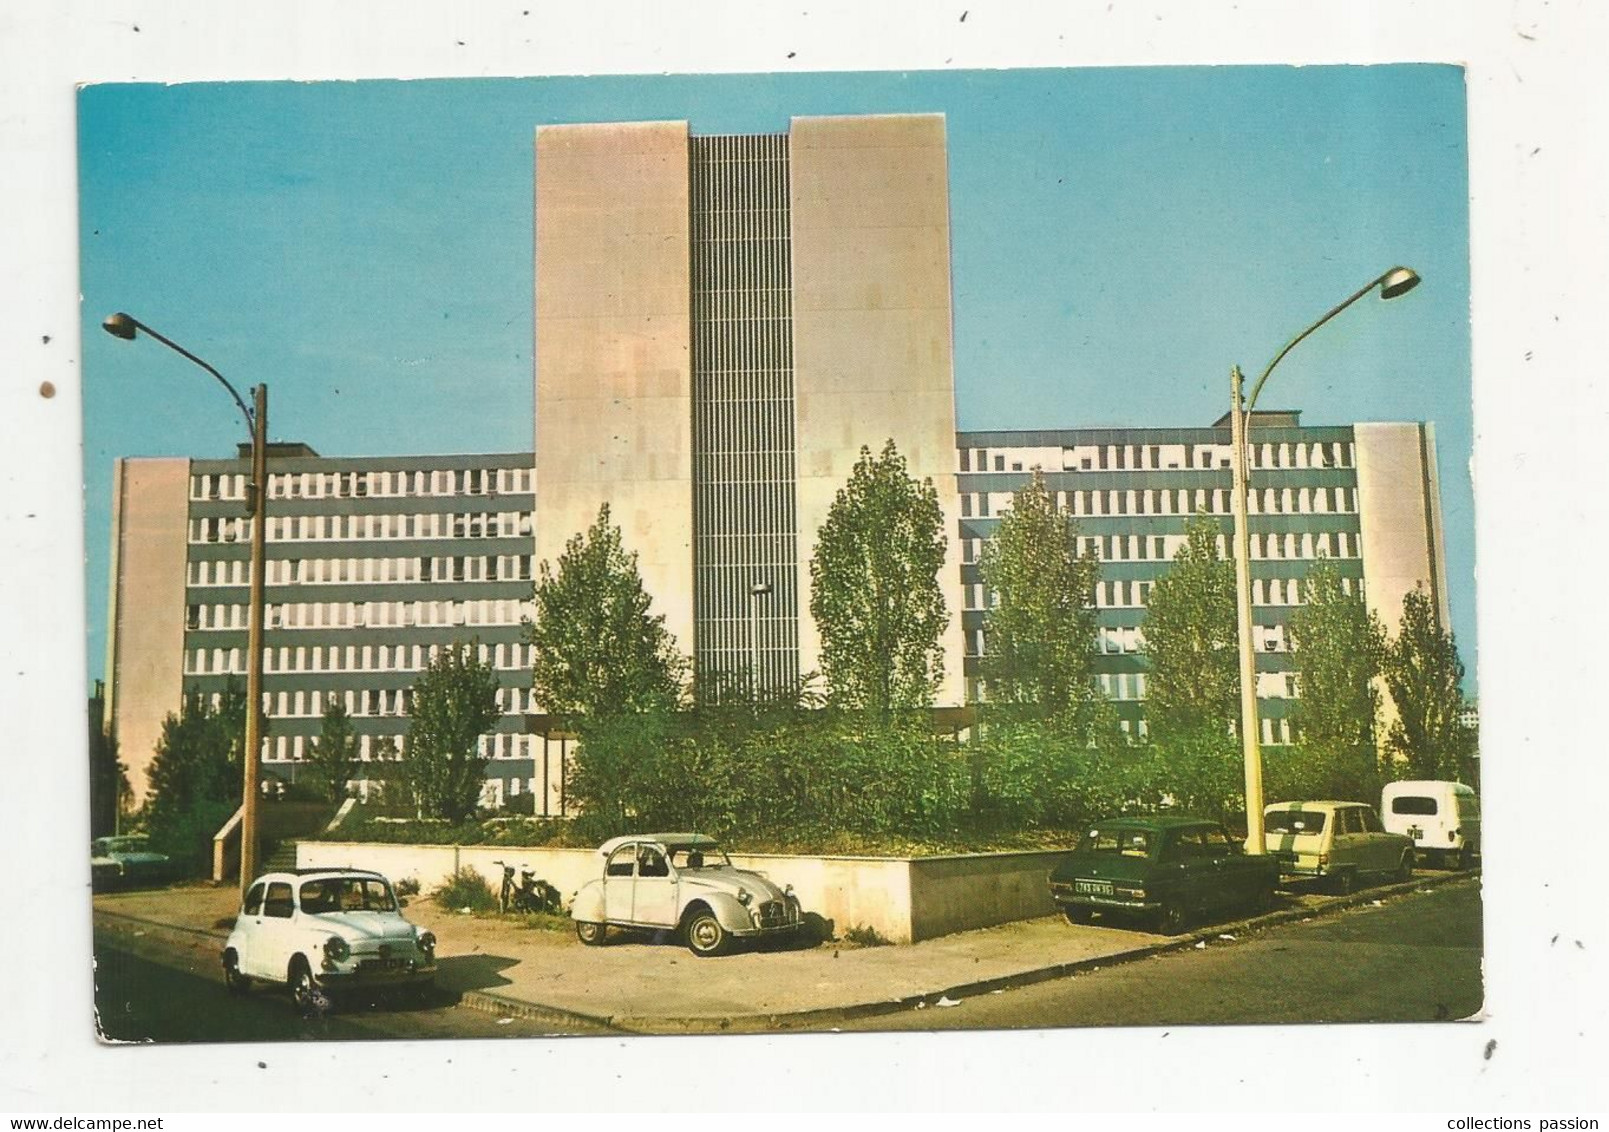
<point x="789" y="1019"/>
<point x="490" y="1002"/>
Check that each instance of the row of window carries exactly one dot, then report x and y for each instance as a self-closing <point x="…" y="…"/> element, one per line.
<point x="295" y="748"/>
<point x="370" y="702"/>
<point x="348" y="528"/>
<point x="1162" y="548"/>
<point x="1175" y="501"/>
<point x="1156" y="457"/>
<point x="336" y="571"/>
<point x="506" y="656"/>
<point x="360" y="485"/>
<point x="361" y="614"/>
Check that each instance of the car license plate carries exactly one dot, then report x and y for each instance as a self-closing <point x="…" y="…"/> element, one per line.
<point x="384" y="964"/>
<point x="1093" y="887"/>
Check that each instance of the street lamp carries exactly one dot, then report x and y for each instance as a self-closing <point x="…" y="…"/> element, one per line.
<point x="1397" y="281"/>
<point x="125" y="326"/>
<point x="756" y="592"/>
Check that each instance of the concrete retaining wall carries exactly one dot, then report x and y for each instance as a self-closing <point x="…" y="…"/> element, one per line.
<point x="902" y="899"/>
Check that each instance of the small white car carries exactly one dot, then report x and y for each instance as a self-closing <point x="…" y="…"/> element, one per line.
<point x="329" y="931"/>
<point x="1340" y="841"/>
<point x="681" y="882"/>
<point x="1443" y="818"/>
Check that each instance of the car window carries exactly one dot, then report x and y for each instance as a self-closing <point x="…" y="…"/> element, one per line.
<point x="697" y="857"/>
<point x="1351" y="820"/>
<point x="1371" y="821"/>
<point x="347" y="894"/>
<point x="1214" y="842"/>
<point x="1413" y="804"/>
<point x="651" y="863"/>
<point x="254" y="900"/>
<point x="1127" y="842"/>
<point x="278" y="901"/>
<point x="1186" y="845"/>
<point x="1295" y="821"/>
<point x="621" y="862"/>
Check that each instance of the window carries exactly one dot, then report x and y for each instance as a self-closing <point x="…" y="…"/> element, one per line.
<point x="999" y="463"/>
<point x="278" y="901"/>
<point x="621" y="862"/>
<point x="254" y="900"/>
<point x="1413" y="804"/>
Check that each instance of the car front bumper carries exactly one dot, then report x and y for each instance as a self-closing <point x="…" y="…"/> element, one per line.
<point x="372" y="972"/>
<point x="1064" y="894"/>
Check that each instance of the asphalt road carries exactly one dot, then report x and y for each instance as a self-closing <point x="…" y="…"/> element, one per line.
<point x="149" y="989"/>
<point x="1414" y="958"/>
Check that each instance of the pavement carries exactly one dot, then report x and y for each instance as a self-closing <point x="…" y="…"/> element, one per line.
<point x="647" y="983"/>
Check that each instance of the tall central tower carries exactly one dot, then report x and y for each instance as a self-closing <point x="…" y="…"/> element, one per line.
<point x="722" y="323"/>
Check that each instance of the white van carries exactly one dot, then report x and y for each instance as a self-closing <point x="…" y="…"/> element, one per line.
<point x="1443" y="818"/>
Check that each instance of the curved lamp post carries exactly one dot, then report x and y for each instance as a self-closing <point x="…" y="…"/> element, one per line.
<point x="756" y="592"/>
<point x="125" y="326"/>
<point x="1397" y="281"/>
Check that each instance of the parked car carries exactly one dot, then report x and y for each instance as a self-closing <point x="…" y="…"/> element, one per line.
<point x="1443" y="818"/>
<point x="1168" y="870"/>
<point x="1339" y="841"/>
<point x="116" y="862"/>
<point x="329" y="931"/>
<point x="681" y="882"/>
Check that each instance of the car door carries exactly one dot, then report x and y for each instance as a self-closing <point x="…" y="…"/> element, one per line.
<point x="250" y="923"/>
<point x="653" y="897"/>
<point x="274" y="932"/>
<point x="619" y="879"/>
<point x="1231" y="882"/>
<point x="1189" y="870"/>
<point x="1384" y="849"/>
<point x="1350" y="845"/>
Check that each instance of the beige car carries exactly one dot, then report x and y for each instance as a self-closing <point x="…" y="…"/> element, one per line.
<point x="1341" y="842"/>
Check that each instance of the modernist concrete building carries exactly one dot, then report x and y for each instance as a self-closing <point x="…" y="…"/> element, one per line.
<point x="372" y="563"/>
<point x="1366" y="496"/>
<point x="721" y="324"/>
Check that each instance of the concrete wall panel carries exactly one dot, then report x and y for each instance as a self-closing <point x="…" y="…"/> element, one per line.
<point x="872" y="325"/>
<point x="613" y="361"/>
<point x="144" y="676"/>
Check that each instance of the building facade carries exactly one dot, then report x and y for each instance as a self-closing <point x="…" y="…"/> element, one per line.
<point x="722" y="324"/>
<point x="1365" y="496"/>
<point x="372" y="564"/>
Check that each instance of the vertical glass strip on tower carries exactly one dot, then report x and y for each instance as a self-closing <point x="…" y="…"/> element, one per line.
<point x="743" y="426"/>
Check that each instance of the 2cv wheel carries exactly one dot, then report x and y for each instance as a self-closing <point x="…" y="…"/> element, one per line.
<point x="590" y="933"/>
<point x="705" y="936"/>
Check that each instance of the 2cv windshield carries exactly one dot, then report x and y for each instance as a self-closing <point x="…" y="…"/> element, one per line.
<point x="698" y="857"/>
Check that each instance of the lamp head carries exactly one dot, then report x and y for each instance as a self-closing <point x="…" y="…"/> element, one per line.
<point x="121" y="325"/>
<point x="1398" y="281"/>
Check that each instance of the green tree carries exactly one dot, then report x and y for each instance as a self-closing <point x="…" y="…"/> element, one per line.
<point x="599" y="650"/>
<point x="108" y="782"/>
<point x="195" y="778"/>
<point x="330" y="762"/>
<point x="874" y="589"/>
<point x="1039" y="628"/>
<point x="1425" y="677"/>
<point x="1338" y="648"/>
<point x="1193" y="682"/>
<point x="453" y="703"/>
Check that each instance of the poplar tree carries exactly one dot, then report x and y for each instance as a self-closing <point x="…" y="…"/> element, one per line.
<point x="1039" y="620"/>
<point x="874" y="589"/>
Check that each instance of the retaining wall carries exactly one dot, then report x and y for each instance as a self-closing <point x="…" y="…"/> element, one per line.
<point x="902" y="899"/>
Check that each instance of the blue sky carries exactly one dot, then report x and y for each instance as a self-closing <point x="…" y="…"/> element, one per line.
<point x="1121" y="237"/>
